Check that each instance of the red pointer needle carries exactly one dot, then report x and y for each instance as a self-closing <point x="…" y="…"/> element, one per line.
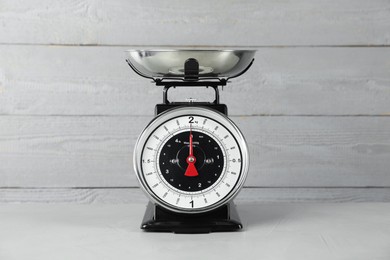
<point x="191" y="169"/>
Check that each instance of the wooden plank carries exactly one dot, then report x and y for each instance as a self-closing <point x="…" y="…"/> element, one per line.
<point x="285" y="151"/>
<point x="277" y="231"/>
<point x="246" y="195"/>
<point x="175" y="22"/>
<point x="41" y="80"/>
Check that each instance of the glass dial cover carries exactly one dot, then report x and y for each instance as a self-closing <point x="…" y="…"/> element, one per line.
<point x="191" y="159"/>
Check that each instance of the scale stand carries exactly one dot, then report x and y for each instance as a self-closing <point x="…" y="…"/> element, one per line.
<point x="224" y="218"/>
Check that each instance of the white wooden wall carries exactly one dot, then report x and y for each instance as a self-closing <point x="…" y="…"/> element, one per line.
<point x="317" y="99"/>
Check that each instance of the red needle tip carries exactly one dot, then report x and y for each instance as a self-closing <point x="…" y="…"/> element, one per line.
<point x="191" y="150"/>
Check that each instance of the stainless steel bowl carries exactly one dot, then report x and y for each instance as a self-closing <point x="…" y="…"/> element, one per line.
<point x="170" y="63"/>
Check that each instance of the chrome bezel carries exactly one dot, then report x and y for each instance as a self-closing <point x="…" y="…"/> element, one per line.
<point x="182" y="111"/>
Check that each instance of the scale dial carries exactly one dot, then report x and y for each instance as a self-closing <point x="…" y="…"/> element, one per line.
<point x="191" y="159"/>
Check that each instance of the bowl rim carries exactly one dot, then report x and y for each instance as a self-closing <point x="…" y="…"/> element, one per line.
<point x="190" y="50"/>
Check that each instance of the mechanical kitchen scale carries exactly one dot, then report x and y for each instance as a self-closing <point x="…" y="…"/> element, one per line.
<point x="191" y="159"/>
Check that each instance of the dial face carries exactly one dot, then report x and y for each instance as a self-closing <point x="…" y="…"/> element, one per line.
<point x="209" y="164"/>
<point x="191" y="162"/>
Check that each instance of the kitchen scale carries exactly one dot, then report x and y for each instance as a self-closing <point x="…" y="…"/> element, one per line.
<point x="191" y="160"/>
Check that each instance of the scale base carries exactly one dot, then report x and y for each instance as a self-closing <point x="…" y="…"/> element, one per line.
<point x="223" y="219"/>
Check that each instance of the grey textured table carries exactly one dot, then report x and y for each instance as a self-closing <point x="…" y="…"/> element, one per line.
<point x="272" y="231"/>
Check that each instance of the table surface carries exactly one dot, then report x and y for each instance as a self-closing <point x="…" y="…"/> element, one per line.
<point x="271" y="231"/>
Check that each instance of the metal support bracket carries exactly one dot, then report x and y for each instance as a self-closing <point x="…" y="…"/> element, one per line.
<point x="166" y="88"/>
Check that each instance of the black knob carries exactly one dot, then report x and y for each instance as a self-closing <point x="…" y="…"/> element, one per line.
<point x="191" y="69"/>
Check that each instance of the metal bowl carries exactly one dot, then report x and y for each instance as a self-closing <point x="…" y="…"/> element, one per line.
<point x="170" y="63"/>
